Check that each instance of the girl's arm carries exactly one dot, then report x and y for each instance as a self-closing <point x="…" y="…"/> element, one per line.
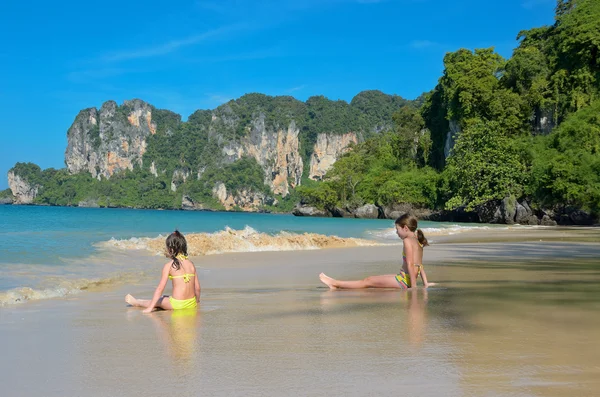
<point x="196" y="286"/>
<point x="160" y="288"/>
<point x="424" y="276"/>
<point x="410" y="264"/>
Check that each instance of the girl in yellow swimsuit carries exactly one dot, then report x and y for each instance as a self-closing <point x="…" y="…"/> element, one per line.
<point x="182" y="272"/>
<point x="413" y="241"/>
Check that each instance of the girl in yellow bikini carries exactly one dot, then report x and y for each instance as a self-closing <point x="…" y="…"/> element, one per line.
<point x="182" y="272"/>
<point x="413" y="241"/>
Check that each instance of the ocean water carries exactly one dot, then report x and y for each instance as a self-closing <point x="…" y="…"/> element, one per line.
<point x="48" y="252"/>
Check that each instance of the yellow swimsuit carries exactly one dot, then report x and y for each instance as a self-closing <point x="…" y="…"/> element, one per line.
<point x="179" y="304"/>
<point x="183" y="303"/>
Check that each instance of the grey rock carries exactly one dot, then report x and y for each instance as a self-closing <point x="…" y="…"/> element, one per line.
<point x="306" y="210"/>
<point x="488" y="212"/>
<point x="508" y="210"/>
<point x="521" y="216"/>
<point x="527" y="207"/>
<point x="546" y="221"/>
<point x="367" y="211"/>
<point x="188" y="204"/>
<point x="337" y="212"/>
<point x="394" y="211"/>
<point x="90" y="203"/>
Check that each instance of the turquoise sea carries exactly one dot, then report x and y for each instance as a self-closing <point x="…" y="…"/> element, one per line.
<point x="50" y="252"/>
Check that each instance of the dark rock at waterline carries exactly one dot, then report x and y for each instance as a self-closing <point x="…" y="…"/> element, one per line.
<point x="546" y="221"/>
<point x="338" y="212"/>
<point x="306" y="210"/>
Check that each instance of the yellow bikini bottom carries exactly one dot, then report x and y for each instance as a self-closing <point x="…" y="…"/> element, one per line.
<point x="403" y="278"/>
<point x="183" y="304"/>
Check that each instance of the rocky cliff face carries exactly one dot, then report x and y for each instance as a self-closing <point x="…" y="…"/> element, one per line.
<point x="326" y="151"/>
<point x="110" y="140"/>
<point x="453" y="132"/>
<point x="22" y="190"/>
<point x="268" y="129"/>
<point x="275" y="150"/>
<point x="244" y="199"/>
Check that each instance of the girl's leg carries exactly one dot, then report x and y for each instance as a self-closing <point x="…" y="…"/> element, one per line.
<point x="386" y="281"/>
<point x="163" y="302"/>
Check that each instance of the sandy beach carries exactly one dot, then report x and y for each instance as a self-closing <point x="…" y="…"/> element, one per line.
<point x="518" y="317"/>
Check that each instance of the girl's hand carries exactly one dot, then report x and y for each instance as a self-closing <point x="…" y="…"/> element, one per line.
<point x="429" y="285"/>
<point x="148" y="310"/>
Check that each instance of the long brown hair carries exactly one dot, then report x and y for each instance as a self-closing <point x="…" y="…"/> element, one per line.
<point x="176" y="245"/>
<point x="412" y="223"/>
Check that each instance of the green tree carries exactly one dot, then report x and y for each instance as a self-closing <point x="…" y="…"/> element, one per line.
<point x="484" y="166"/>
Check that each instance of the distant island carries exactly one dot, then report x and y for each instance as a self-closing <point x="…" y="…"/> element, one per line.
<point x="500" y="141"/>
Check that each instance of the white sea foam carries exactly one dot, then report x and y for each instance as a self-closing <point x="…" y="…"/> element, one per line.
<point x="390" y="233"/>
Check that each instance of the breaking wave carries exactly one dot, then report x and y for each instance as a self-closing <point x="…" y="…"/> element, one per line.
<point x="245" y="240"/>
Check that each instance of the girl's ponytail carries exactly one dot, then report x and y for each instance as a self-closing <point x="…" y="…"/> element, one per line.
<point x="421" y="237"/>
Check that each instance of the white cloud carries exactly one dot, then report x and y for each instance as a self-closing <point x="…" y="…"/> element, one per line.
<point x="166" y="48"/>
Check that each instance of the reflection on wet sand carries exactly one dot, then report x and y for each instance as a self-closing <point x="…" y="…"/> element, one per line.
<point x="179" y="332"/>
<point x="527" y="328"/>
<point x="416" y="316"/>
<point x="405" y="308"/>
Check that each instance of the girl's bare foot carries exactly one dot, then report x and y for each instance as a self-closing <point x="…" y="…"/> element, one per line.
<point x="130" y="300"/>
<point x="328" y="281"/>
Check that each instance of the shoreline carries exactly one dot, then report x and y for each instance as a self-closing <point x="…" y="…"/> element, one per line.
<point x="214" y="268"/>
<point x="434" y="215"/>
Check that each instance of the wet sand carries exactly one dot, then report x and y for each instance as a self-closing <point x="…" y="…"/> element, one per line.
<point x="515" y="318"/>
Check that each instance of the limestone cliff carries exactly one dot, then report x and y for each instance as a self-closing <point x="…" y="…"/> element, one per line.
<point x="180" y="176"/>
<point x="276" y="150"/>
<point x="23" y="191"/>
<point x="199" y="151"/>
<point x="109" y="140"/>
<point x="244" y="199"/>
<point x="326" y="151"/>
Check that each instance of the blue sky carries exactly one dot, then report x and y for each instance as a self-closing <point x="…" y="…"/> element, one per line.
<point x="60" y="57"/>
